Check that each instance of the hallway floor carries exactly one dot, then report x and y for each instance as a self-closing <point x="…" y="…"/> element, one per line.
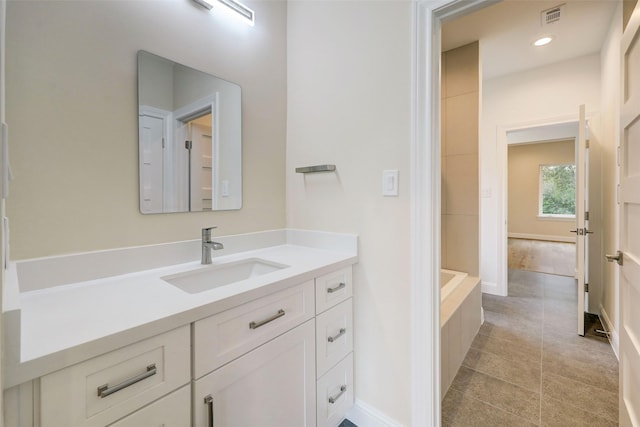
<point x="527" y="365"/>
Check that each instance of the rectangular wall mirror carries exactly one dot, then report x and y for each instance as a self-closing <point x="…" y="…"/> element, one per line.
<point x="190" y="141"/>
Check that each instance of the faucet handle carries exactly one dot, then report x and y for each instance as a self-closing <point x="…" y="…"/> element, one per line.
<point x="206" y="232"/>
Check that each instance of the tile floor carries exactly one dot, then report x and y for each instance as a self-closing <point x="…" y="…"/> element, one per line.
<point x="527" y="365"/>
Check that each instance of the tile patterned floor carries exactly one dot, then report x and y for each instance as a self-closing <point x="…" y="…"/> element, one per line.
<point x="528" y="367"/>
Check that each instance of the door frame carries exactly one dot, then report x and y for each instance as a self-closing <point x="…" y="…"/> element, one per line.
<point x="425" y="201"/>
<point x="502" y="286"/>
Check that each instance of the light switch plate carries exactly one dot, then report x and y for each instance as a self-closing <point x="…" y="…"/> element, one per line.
<point x="390" y="182"/>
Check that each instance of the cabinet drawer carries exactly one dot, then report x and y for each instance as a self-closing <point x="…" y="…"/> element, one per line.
<point x="335" y="393"/>
<point x="334" y="336"/>
<point x="225" y="336"/>
<point x="170" y="411"/>
<point x="333" y="288"/>
<point x="106" y="388"/>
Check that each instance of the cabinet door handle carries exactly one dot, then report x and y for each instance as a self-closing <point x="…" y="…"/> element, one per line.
<point x="208" y="400"/>
<point x="335" y="337"/>
<point x="256" y="325"/>
<point x="104" y="390"/>
<point x="332" y="399"/>
<point x="337" y="288"/>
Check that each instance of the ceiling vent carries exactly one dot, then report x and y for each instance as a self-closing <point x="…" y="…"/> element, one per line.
<point x="551" y="16"/>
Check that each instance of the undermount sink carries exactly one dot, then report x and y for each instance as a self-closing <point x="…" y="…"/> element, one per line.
<point x="215" y="276"/>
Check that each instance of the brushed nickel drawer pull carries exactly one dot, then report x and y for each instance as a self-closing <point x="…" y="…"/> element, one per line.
<point x="104" y="390"/>
<point x="332" y="399"/>
<point x="256" y="325"/>
<point x="337" y="288"/>
<point x="208" y="400"/>
<point x="335" y="337"/>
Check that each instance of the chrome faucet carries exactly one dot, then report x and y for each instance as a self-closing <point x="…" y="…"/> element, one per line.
<point x="208" y="245"/>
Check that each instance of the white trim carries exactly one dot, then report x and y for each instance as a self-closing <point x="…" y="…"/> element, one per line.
<point x="425" y="218"/>
<point x="364" y="415"/>
<point x="544" y="237"/>
<point x="614" y="338"/>
<point x="425" y="202"/>
<point x="490" y="288"/>
<point x="551" y="217"/>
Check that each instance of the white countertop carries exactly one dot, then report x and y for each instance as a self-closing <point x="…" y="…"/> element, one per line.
<point x="65" y="324"/>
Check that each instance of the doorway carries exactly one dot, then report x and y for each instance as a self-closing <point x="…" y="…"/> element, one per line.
<point x="541" y="199"/>
<point x="430" y="17"/>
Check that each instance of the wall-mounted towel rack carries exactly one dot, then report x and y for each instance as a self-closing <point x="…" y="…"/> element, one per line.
<point x="317" y="168"/>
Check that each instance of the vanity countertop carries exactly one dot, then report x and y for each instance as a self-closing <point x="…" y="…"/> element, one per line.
<point x="65" y="324"/>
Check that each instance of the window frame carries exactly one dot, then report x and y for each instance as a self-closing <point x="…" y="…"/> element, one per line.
<point x="541" y="215"/>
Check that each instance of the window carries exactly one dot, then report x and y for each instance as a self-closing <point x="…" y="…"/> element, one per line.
<point x="557" y="191"/>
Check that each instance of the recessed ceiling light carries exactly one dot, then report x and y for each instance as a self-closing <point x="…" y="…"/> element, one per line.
<point x="543" y="41"/>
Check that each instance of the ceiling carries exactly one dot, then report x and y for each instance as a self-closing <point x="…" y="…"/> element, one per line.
<point x="507" y="30"/>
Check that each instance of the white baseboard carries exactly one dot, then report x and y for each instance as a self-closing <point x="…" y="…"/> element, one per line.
<point x="567" y="239"/>
<point x="614" y="339"/>
<point x="364" y="415"/>
<point x="490" y="288"/>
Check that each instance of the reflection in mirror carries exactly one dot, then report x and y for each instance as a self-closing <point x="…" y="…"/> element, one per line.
<point x="190" y="143"/>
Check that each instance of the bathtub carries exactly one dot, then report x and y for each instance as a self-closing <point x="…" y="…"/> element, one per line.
<point x="460" y="320"/>
<point x="449" y="280"/>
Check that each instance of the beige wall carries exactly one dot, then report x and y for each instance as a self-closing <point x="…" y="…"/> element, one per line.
<point x="349" y="104"/>
<point x="523" y="180"/>
<point x="72" y="112"/>
<point x="460" y="188"/>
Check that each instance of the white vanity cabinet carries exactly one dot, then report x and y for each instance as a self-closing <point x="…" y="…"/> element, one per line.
<point x="334" y="347"/>
<point x="277" y="358"/>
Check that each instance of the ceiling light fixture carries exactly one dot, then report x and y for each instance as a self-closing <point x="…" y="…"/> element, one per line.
<point x="241" y="10"/>
<point x="542" y="41"/>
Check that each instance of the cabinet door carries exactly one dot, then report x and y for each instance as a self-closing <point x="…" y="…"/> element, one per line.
<point x="173" y="410"/>
<point x="273" y="385"/>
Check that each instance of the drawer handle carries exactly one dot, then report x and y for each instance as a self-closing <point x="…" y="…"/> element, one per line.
<point x="208" y="400"/>
<point x="337" y="288"/>
<point x="256" y="325"/>
<point x="335" y="337"/>
<point x="104" y="390"/>
<point x="332" y="399"/>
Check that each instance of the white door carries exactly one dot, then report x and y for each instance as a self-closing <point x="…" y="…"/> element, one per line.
<point x="582" y="223"/>
<point x="152" y="144"/>
<point x="629" y="203"/>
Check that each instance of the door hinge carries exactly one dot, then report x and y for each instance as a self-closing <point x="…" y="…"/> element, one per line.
<point x="162" y="142"/>
<point x="586" y="144"/>
<point x="586" y="287"/>
<point x="188" y="145"/>
<point x="586" y="216"/>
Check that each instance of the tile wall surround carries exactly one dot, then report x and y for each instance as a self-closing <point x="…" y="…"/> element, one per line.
<point x="459" y="151"/>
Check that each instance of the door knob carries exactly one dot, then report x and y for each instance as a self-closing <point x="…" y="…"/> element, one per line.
<point x="618" y="257"/>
